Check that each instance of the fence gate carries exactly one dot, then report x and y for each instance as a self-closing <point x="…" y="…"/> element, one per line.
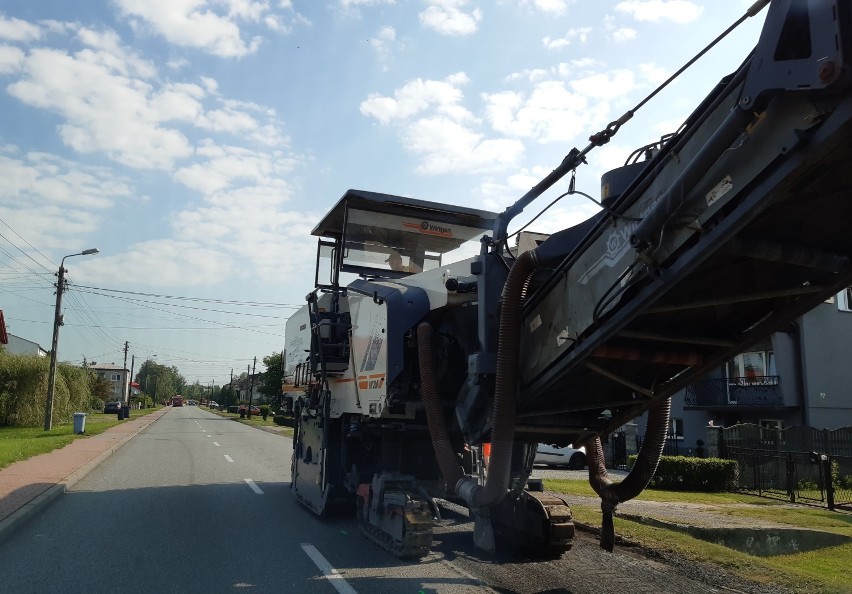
<point x="619" y="450"/>
<point x="796" y="463"/>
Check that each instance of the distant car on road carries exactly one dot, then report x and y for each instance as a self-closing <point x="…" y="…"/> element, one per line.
<point x="571" y="457"/>
<point x="113" y="406"/>
<point x="213" y="404"/>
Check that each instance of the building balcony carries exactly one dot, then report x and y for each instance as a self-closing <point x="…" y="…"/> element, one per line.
<point x="744" y="392"/>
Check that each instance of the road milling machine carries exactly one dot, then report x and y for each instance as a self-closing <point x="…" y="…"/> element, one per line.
<point x="450" y="336"/>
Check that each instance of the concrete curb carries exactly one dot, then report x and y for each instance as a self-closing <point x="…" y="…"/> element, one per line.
<point x="37" y="504"/>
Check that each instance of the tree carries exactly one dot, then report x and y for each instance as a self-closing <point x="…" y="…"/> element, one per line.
<point x="101" y="387"/>
<point x="270" y="380"/>
<point x="159" y="381"/>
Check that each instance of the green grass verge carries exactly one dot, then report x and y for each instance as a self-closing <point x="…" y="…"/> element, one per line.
<point x="20" y="443"/>
<point x="823" y="571"/>
<point x="255" y="421"/>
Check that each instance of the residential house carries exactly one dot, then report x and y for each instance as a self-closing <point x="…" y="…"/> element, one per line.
<point x="22" y="346"/>
<point x="117" y="375"/>
<point x="800" y="376"/>
<point x="246" y="385"/>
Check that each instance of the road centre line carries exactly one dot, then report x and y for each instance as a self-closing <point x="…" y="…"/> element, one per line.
<point x="216" y="443"/>
<point x="253" y="486"/>
<point x="207" y="435"/>
<point x="228" y="458"/>
<point x="330" y="573"/>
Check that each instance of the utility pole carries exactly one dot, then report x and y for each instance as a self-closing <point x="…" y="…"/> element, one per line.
<point x="125" y="399"/>
<point x="125" y="405"/>
<point x="251" y="388"/>
<point x="130" y="381"/>
<point x="57" y="322"/>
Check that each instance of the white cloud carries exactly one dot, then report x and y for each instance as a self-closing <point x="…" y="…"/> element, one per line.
<point x="103" y="109"/>
<point x="11" y="59"/>
<point x="531" y="75"/>
<point x="605" y="85"/>
<point x="653" y="74"/>
<point x="383" y="42"/>
<point x="439" y="130"/>
<point x="624" y="34"/>
<point x="446" y="146"/>
<point x="17" y="30"/>
<point x="580" y="34"/>
<point x="57" y="201"/>
<point x="203" y="24"/>
<point x="111" y="102"/>
<point x="163" y="263"/>
<point x="549" y="113"/>
<point x="551" y="7"/>
<point x="447" y="18"/>
<point x="106" y="50"/>
<point x="418" y="96"/>
<point x="679" y="11"/>
<point x="353" y="3"/>
<point x="230" y="168"/>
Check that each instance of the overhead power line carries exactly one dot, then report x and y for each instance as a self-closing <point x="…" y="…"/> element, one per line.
<point x="200" y="299"/>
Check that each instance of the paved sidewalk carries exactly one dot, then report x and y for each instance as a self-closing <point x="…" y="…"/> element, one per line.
<point x="28" y="486"/>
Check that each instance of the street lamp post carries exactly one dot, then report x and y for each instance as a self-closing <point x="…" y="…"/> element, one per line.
<point x="57" y="322"/>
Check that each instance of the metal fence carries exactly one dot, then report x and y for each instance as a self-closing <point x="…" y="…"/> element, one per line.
<point x="796" y="463"/>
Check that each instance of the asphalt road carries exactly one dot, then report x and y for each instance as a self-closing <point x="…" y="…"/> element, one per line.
<point x="197" y="503"/>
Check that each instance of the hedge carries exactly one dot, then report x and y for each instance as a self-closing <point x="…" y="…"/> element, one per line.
<point x="23" y="390"/>
<point x="681" y="473"/>
<point x="283" y="420"/>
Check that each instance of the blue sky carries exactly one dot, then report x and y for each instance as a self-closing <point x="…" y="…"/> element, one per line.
<point x="196" y="143"/>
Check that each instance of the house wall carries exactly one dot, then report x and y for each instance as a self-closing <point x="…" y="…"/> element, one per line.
<point x="786" y="349"/>
<point x="22" y="346"/>
<point x="119" y="385"/>
<point x="826" y="347"/>
<point x="815" y="380"/>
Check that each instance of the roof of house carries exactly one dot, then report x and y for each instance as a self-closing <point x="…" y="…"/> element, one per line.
<point x="106" y="367"/>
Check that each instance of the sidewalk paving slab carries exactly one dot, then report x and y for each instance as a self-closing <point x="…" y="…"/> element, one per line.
<point x="28" y="486"/>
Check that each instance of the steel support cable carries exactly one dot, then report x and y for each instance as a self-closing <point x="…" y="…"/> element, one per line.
<point x="577" y="157"/>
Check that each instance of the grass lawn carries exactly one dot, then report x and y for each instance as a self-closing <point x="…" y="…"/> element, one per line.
<point x="823" y="571"/>
<point x="255" y="421"/>
<point x="20" y="443"/>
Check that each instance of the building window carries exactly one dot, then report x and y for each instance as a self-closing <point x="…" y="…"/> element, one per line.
<point x="844" y="299"/>
<point x="754" y="368"/>
<point x="116" y="377"/>
<point x="770" y="423"/>
<point x="675" y="428"/>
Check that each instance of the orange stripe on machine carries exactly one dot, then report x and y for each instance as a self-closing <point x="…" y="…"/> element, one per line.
<point x="371" y="382"/>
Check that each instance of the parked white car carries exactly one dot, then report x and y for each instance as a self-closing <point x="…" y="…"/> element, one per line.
<point x="571" y="457"/>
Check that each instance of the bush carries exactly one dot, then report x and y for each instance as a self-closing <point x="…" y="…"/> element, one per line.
<point x="283" y="420"/>
<point x="264" y="411"/>
<point x="681" y="473"/>
<point x="97" y="404"/>
<point x="23" y="390"/>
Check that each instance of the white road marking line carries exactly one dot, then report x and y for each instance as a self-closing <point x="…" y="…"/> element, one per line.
<point x="216" y="443"/>
<point x="254" y="487"/>
<point x="330" y="573"/>
<point x="228" y="458"/>
<point x="207" y="435"/>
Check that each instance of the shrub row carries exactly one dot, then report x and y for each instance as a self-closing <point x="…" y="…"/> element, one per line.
<point x="283" y="420"/>
<point x="23" y="390"/>
<point x="681" y="473"/>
